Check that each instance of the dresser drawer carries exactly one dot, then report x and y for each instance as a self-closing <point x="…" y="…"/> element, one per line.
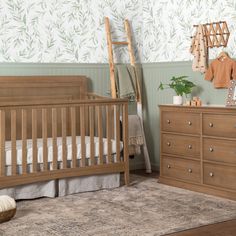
<point x="219" y="125"/>
<point x="181" y="122"/>
<point x="221" y="176"/>
<point x="178" y="168"/>
<point x="219" y="150"/>
<point x="181" y="145"/>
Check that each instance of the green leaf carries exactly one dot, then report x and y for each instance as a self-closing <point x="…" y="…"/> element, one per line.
<point x="181" y="85"/>
<point x="161" y="87"/>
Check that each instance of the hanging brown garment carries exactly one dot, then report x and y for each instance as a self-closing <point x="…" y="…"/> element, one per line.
<point x="221" y="71"/>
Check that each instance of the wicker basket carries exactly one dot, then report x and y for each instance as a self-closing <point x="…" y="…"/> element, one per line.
<point x="7" y="215"/>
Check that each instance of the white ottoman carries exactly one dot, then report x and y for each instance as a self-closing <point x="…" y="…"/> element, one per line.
<point x="7" y="208"/>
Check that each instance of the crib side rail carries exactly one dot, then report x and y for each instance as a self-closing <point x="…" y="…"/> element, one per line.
<point x="52" y="140"/>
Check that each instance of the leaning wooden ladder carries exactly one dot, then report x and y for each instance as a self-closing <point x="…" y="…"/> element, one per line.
<point x="113" y="83"/>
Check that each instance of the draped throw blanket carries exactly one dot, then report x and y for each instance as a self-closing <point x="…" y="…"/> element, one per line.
<point x="128" y="78"/>
<point x="135" y="135"/>
<point x="199" y="50"/>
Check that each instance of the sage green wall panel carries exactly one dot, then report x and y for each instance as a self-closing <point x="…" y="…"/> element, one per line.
<point x="153" y="74"/>
<point x="98" y="75"/>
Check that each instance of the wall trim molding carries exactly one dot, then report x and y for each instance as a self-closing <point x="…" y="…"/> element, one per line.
<point x="52" y="65"/>
<point x="99" y="77"/>
<point x="167" y="64"/>
<point x="19" y="65"/>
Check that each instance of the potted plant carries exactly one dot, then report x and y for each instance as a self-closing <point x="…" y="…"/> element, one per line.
<point x="181" y="86"/>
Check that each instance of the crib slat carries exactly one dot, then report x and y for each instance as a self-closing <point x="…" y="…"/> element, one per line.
<point x="73" y="136"/>
<point x="24" y="141"/>
<point x="82" y="130"/>
<point x="44" y="136"/>
<point x="64" y="146"/>
<point x="100" y="134"/>
<point x="34" y="140"/>
<point x="91" y="134"/>
<point x="117" y="111"/>
<point x="108" y="124"/>
<point x="13" y="142"/>
<point x="86" y="115"/>
<point x="2" y="143"/>
<point x="54" y="138"/>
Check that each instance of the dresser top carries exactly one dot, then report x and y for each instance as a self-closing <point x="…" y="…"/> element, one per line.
<point x="197" y="107"/>
<point x="204" y="108"/>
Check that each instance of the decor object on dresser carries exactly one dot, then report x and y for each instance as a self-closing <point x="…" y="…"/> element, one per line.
<point x="196" y="101"/>
<point x="231" y="98"/>
<point x="198" y="149"/>
<point x="7" y="208"/>
<point x="180" y="85"/>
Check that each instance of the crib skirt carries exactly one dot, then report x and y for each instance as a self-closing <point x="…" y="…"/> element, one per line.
<point x="63" y="187"/>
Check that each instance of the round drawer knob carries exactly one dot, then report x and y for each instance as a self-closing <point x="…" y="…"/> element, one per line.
<point x="211" y="149"/>
<point x="189" y="123"/>
<point x="168" y="144"/>
<point x="168" y="121"/>
<point x="190" y="146"/>
<point x="211" y="174"/>
<point x="190" y="170"/>
<point x="211" y="125"/>
<point x="168" y="166"/>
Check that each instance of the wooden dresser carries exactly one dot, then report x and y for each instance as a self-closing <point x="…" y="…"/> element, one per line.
<point x="198" y="149"/>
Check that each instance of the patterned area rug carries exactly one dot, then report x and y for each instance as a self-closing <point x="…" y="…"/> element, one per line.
<point x="144" y="208"/>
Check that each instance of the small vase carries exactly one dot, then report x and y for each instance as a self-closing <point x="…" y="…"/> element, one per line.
<point x="177" y="100"/>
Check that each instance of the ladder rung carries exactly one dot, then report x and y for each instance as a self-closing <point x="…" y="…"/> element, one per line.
<point x="120" y="43"/>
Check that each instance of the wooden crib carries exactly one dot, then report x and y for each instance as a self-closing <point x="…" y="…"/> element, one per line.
<point x="52" y="128"/>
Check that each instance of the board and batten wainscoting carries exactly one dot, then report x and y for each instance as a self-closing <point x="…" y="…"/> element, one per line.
<point x="153" y="73"/>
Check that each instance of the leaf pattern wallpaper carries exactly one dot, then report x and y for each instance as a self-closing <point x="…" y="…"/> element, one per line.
<point x="168" y="26"/>
<point x="73" y="31"/>
<point x="63" y="30"/>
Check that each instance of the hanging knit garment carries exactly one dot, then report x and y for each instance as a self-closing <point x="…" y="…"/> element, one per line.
<point x="199" y="50"/>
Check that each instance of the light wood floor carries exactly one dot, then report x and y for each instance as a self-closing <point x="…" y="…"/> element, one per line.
<point x="226" y="228"/>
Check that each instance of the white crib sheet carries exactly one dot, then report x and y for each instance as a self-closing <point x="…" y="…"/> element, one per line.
<point x="59" y="147"/>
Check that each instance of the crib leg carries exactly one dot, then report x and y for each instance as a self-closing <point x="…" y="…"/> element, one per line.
<point x="126" y="174"/>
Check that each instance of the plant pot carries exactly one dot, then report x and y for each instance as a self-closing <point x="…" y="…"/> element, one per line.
<point x="177" y="100"/>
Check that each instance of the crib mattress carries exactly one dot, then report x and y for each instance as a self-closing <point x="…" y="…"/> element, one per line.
<point x="59" y="149"/>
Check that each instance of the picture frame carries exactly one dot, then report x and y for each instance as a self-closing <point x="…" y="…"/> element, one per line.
<point x="231" y="97"/>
